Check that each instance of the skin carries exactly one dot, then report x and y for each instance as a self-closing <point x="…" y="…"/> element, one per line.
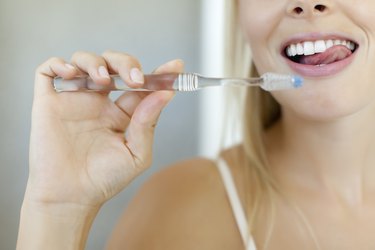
<point x="321" y="152"/>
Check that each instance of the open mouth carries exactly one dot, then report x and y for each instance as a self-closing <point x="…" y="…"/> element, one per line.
<point x="320" y="52"/>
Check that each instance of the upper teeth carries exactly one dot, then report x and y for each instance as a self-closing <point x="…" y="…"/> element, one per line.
<point x="320" y="46"/>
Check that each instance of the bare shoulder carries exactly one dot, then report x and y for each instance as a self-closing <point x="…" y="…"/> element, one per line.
<point x="177" y="208"/>
<point x="184" y="175"/>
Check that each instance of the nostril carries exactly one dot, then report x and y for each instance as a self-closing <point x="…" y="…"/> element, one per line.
<point x="298" y="10"/>
<point x="320" y="7"/>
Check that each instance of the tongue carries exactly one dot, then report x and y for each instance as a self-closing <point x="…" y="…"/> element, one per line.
<point x="331" y="55"/>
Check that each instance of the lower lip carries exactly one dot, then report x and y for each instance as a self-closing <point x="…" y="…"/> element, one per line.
<point x="321" y="70"/>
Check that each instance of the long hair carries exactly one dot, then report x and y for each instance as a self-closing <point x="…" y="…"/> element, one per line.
<point x="258" y="111"/>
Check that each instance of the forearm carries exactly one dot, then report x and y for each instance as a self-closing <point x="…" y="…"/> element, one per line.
<point x="54" y="227"/>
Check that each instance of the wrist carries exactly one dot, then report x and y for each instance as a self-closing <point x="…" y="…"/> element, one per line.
<point x="61" y="210"/>
<point x="54" y="226"/>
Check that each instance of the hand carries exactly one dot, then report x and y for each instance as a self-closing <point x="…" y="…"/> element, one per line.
<point x="85" y="148"/>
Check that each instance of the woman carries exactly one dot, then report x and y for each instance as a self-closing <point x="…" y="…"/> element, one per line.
<point x="304" y="173"/>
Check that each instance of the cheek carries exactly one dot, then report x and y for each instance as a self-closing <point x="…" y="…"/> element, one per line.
<point x="362" y="13"/>
<point x="251" y="22"/>
<point x="259" y="17"/>
<point x="259" y="20"/>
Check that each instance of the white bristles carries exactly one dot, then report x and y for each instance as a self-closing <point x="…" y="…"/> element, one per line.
<point x="272" y="82"/>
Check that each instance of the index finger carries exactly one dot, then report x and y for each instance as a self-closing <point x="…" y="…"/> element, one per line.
<point x="47" y="71"/>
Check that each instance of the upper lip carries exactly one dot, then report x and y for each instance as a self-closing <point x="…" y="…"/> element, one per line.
<point x="315" y="36"/>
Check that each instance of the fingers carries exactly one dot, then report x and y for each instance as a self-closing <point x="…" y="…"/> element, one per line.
<point x="98" y="68"/>
<point x="95" y="66"/>
<point x="81" y="62"/>
<point x="47" y="71"/>
<point x="126" y="66"/>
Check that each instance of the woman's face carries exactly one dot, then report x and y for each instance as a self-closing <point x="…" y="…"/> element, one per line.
<point x="331" y="43"/>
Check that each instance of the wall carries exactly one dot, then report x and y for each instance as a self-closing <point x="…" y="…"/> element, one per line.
<point x="32" y="31"/>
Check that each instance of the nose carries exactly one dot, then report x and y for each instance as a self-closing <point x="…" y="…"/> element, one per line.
<point x="307" y="8"/>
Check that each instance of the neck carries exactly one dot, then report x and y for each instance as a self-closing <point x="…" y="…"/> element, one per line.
<point x="337" y="156"/>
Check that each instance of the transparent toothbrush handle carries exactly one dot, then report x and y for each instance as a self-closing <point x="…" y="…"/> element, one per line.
<point x="153" y="82"/>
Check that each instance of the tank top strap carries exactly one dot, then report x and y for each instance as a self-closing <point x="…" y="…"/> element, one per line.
<point x="237" y="208"/>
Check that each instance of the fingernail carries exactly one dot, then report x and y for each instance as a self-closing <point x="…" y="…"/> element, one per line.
<point x="69" y="66"/>
<point x="137" y="76"/>
<point x="103" y="72"/>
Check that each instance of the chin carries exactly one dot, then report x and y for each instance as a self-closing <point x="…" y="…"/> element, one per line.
<point x="320" y="106"/>
<point x="320" y="115"/>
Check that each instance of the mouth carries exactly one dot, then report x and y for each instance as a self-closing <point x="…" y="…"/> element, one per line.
<point x="316" y="56"/>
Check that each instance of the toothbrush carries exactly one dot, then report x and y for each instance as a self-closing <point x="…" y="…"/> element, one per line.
<point x="179" y="82"/>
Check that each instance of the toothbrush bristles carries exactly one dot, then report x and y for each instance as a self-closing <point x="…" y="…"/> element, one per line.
<point x="273" y="82"/>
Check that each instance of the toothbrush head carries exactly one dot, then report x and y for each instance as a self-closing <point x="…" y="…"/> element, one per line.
<point x="298" y="81"/>
<point x="273" y="82"/>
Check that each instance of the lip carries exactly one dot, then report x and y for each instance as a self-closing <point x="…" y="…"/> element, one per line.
<point x="318" y="70"/>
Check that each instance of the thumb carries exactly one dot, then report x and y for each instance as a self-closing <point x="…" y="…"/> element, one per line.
<point x="140" y="133"/>
<point x="174" y="66"/>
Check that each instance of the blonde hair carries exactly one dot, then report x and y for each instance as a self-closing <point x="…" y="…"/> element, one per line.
<point x="259" y="111"/>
